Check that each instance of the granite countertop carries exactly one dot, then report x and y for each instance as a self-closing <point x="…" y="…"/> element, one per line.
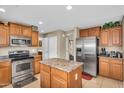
<point x="109" y="57"/>
<point x="62" y="64"/>
<point x="4" y="58"/>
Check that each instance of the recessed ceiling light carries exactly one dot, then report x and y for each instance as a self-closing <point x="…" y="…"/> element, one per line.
<point x="2" y="10"/>
<point x="40" y="22"/>
<point x="69" y="7"/>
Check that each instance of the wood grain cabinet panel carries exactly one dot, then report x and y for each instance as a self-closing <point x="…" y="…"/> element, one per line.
<point x="45" y="76"/>
<point x="26" y="31"/>
<point x="83" y="32"/>
<point x="4" y="35"/>
<point x="35" y="38"/>
<point x="116" y="69"/>
<point x="116" y="36"/>
<point x="104" y="37"/>
<point x="104" y="68"/>
<point x="94" y="31"/>
<point x="37" y="60"/>
<point x="58" y="82"/>
<point x="111" y="67"/>
<point x="15" y="29"/>
<point x="5" y="73"/>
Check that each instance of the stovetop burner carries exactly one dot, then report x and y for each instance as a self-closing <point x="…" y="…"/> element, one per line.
<point x="19" y="55"/>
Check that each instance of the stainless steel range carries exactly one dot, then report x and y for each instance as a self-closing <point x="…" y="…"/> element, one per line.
<point x="22" y="67"/>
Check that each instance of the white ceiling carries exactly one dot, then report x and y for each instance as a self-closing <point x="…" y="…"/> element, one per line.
<point x="57" y="17"/>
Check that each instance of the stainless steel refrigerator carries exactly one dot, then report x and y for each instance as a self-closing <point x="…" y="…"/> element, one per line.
<point x="86" y="52"/>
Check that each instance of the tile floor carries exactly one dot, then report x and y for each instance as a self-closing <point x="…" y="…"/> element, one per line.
<point x="99" y="82"/>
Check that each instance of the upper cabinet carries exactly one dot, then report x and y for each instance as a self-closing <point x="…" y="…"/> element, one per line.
<point x="35" y="38"/>
<point x="116" y="36"/>
<point x="83" y="32"/>
<point x="104" y="37"/>
<point x="4" y="35"/>
<point x="26" y="31"/>
<point x="20" y="30"/>
<point x="15" y="29"/>
<point x="111" y="36"/>
<point x="94" y="31"/>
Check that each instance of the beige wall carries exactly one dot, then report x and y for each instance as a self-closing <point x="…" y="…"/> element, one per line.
<point x="4" y="51"/>
<point x="61" y="44"/>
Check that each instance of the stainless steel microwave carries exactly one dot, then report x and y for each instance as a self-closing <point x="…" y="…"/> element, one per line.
<point x="20" y="41"/>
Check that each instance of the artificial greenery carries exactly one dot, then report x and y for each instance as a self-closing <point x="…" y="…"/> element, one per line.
<point x="111" y="24"/>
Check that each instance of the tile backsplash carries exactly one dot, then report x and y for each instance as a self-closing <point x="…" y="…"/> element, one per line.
<point x="4" y="51"/>
<point x="112" y="49"/>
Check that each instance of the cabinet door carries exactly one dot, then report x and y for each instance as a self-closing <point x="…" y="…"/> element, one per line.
<point x="4" y="35"/>
<point x="5" y="73"/>
<point x="83" y="32"/>
<point x="15" y="29"/>
<point x="116" y="69"/>
<point x="58" y="82"/>
<point x="45" y="79"/>
<point x="94" y="31"/>
<point x="116" y="36"/>
<point x="26" y="31"/>
<point x="4" y="76"/>
<point x="35" y="38"/>
<point x="104" y="68"/>
<point x="104" y="37"/>
<point x="37" y="67"/>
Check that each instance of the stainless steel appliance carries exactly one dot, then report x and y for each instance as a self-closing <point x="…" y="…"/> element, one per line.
<point x="20" y="41"/>
<point x="86" y="52"/>
<point x="22" y="67"/>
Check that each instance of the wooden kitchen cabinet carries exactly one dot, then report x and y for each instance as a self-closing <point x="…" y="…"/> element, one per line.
<point x="104" y="37"/>
<point x="26" y="31"/>
<point x="52" y="77"/>
<point x="4" y="35"/>
<point x="37" y="60"/>
<point x="58" y="78"/>
<point x="95" y="31"/>
<point x="83" y="32"/>
<point x="116" y="69"/>
<point x="15" y="29"/>
<point x="116" y="36"/>
<point x="111" y="67"/>
<point x="44" y="76"/>
<point x="5" y="73"/>
<point x="104" y="67"/>
<point x="35" y="38"/>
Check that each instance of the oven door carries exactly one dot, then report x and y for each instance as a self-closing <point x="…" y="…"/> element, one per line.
<point x="21" y="67"/>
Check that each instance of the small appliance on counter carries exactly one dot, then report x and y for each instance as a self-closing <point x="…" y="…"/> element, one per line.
<point x="119" y="54"/>
<point x="104" y="52"/>
<point x="113" y="54"/>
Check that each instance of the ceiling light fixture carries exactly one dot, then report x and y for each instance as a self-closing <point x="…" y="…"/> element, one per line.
<point x="40" y="22"/>
<point x="69" y="7"/>
<point x="2" y="10"/>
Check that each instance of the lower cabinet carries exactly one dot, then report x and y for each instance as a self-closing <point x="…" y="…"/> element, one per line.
<point x="44" y="76"/>
<point x="5" y="73"/>
<point x="54" y="78"/>
<point x="116" y="69"/>
<point x="37" y="60"/>
<point x="58" y="78"/>
<point x="111" y="67"/>
<point x="104" y="67"/>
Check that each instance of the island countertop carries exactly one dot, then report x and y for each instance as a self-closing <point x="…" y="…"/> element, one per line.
<point x="62" y="64"/>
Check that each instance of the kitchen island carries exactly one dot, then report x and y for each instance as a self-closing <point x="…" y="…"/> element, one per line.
<point x="60" y="73"/>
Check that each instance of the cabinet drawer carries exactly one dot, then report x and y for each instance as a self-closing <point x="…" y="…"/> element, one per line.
<point x="37" y="58"/>
<point x="44" y="68"/>
<point x="116" y="61"/>
<point x="59" y="73"/>
<point x="103" y="59"/>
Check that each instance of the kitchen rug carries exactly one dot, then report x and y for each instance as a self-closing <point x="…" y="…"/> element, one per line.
<point x="21" y="84"/>
<point x="86" y="76"/>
